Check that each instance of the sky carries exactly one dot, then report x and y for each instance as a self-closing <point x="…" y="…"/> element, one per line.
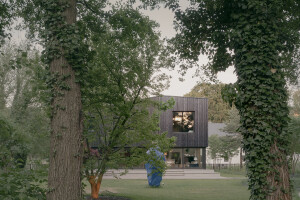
<point x="165" y="18"/>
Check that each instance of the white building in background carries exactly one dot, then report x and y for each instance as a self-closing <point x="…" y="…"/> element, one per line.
<point x="216" y="129"/>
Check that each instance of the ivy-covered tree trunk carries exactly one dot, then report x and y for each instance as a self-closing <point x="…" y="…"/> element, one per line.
<point x="64" y="180"/>
<point x="259" y="38"/>
<point x="262" y="99"/>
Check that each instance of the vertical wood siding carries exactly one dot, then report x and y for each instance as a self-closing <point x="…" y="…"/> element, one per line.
<point x="199" y="138"/>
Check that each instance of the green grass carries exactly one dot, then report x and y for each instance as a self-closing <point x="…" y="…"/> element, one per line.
<point x="230" y="189"/>
<point x="241" y="173"/>
<point x="296" y="184"/>
<point x="179" y="189"/>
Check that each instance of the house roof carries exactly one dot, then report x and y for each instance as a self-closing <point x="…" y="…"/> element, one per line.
<point x="216" y="129"/>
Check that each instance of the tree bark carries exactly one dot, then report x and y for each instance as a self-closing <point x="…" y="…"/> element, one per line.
<point x="64" y="178"/>
<point x="241" y="158"/>
<point x="280" y="182"/>
<point x="95" y="185"/>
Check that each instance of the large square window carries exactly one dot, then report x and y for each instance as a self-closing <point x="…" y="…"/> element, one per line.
<point x="183" y="121"/>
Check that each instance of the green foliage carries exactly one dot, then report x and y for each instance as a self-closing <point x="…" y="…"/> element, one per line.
<point x="260" y="39"/>
<point x="233" y="123"/>
<point x="23" y="100"/>
<point x="13" y="150"/>
<point x="6" y="16"/>
<point x="295" y="110"/>
<point x="223" y="146"/>
<point x="214" y="146"/>
<point x="21" y="184"/>
<point x="121" y="119"/>
<point x="217" y="108"/>
<point x="16" y="181"/>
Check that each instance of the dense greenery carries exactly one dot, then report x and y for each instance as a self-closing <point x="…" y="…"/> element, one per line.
<point x="6" y="16"/>
<point x="23" y="124"/>
<point x="259" y="38"/>
<point x="217" y="108"/>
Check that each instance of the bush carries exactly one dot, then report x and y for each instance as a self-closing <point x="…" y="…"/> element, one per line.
<point x="22" y="184"/>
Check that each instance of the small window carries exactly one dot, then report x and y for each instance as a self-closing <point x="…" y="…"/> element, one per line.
<point x="183" y="122"/>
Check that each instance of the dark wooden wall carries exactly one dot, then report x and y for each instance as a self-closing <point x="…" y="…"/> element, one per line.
<point x="199" y="138"/>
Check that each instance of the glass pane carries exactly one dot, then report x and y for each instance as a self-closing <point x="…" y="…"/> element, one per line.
<point x="188" y="122"/>
<point x="173" y="158"/>
<point x="192" y="157"/>
<point x="177" y="121"/>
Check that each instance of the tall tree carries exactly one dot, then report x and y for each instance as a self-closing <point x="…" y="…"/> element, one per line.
<point x="217" y="108"/>
<point x="259" y="38"/>
<point x="121" y="119"/>
<point x="6" y="74"/>
<point x="66" y="122"/>
<point x="65" y="54"/>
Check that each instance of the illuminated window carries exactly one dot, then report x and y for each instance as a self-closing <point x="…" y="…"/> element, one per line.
<point x="183" y="122"/>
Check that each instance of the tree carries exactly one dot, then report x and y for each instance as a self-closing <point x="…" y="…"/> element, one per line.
<point x="223" y="146"/>
<point x="294" y="128"/>
<point x="121" y="119"/>
<point x="259" y="38"/>
<point x="6" y="74"/>
<point x="16" y="182"/>
<point x="295" y="110"/>
<point x="231" y="126"/>
<point x="57" y="25"/>
<point x="214" y="146"/>
<point x="217" y="108"/>
<point x="21" y="68"/>
<point x="5" y="19"/>
<point x="229" y="146"/>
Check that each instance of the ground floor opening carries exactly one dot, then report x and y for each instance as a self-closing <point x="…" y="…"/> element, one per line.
<point x="186" y="158"/>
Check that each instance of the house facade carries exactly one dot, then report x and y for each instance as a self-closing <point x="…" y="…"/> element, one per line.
<point x="188" y="122"/>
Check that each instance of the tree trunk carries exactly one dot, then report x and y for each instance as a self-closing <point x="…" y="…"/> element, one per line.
<point x="2" y="96"/>
<point x="280" y="182"/>
<point x="95" y="185"/>
<point x="64" y="178"/>
<point x="241" y="158"/>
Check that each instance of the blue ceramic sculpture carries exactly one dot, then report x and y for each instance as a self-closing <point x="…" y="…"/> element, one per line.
<point x="153" y="174"/>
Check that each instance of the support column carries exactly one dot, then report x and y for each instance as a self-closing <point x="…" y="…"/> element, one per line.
<point x="203" y="158"/>
<point x="182" y="158"/>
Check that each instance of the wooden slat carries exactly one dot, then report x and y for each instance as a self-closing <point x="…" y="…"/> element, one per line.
<point x="187" y="104"/>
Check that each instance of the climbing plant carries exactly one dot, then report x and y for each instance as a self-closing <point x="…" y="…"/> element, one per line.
<point x="58" y="27"/>
<point x="259" y="38"/>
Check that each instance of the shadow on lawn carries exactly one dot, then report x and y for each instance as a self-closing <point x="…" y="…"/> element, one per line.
<point x="107" y="195"/>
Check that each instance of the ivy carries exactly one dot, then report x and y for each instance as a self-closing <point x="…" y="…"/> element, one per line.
<point x="259" y="38"/>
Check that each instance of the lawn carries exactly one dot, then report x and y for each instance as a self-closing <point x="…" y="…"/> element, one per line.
<point x="228" y="189"/>
<point x="231" y="189"/>
<point x="222" y="189"/>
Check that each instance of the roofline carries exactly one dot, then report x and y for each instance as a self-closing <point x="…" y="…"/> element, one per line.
<point x="180" y="97"/>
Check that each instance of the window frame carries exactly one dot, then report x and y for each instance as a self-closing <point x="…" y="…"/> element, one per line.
<point x="181" y="127"/>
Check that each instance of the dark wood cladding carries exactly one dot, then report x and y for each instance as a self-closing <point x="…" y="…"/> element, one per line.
<point x="199" y="138"/>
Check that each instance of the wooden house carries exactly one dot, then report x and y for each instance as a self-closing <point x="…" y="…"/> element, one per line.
<point x="188" y="122"/>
